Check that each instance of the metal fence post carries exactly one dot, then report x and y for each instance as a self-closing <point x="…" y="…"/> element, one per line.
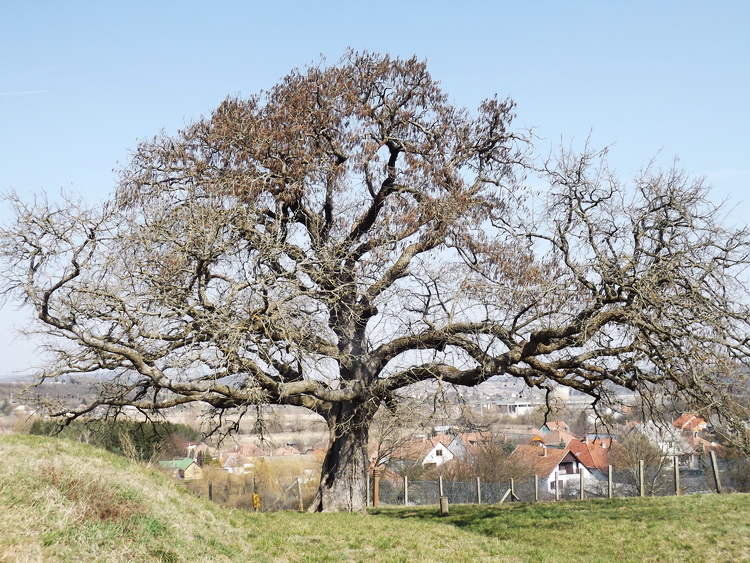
<point x="406" y="490"/>
<point x="610" y="485"/>
<point x="440" y="486"/>
<point x="479" y="491"/>
<point x="676" y="476"/>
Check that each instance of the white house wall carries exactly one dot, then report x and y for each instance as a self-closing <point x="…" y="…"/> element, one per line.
<point x="569" y="479"/>
<point x="433" y="458"/>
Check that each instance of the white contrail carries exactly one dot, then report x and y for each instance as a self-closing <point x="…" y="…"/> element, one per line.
<point x="22" y="92"/>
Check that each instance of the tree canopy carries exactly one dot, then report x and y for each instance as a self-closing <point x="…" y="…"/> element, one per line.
<point x="352" y="232"/>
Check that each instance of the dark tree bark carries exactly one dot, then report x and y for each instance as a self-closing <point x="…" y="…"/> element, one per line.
<point x="343" y="482"/>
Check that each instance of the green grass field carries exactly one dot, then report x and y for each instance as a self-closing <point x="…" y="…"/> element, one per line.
<point x="63" y="501"/>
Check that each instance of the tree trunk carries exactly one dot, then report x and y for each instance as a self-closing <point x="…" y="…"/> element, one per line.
<point x="343" y="480"/>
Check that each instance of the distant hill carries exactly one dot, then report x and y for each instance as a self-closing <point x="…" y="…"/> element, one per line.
<point x="69" y="392"/>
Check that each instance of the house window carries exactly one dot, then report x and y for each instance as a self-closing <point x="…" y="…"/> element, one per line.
<point x="567" y="468"/>
<point x="439" y="453"/>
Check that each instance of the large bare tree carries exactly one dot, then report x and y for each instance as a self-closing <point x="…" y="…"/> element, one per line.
<point x="352" y="232"/>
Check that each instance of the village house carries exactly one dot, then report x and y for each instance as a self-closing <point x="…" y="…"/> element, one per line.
<point x="555" y="438"/>
<point x="691" y="427"/>
<point x="202" y="452"/>
<point x="668" y="438"/>
<point x="185" y="468"/>
<point x="425" y="451"/>
<point x="703" y="447"/>
<point x="285" y="450"/>
<point x="233" y="463"/>
<point x="595" y="455"/>
<point x="551" y="465"/>
<point x="468" y="444"/>
<point x="248" y="449"/>
<point x="691" y="422"/>
<point x="553" y="426"/>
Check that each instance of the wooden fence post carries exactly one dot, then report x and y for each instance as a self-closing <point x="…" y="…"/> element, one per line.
<point x="715" y="469"/>
<point x="610" y="484"/>
<point x="479" y="491"/>
<point x="676" y="476"/>
<point x="376" y="487"/>
<point x="642" y="477"/>
<point x="406" y="490"/>
<point x="210" y="490"/>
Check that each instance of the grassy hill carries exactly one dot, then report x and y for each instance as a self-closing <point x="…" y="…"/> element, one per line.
<point x="63" y="501"/>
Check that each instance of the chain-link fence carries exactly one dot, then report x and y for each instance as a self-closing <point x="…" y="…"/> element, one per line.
<point x="263" y="495"/>
<point x="701" y="475"/>
<point x="247" y="492"/>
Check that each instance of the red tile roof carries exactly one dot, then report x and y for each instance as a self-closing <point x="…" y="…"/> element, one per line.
<point x="285" y="450"/>
<point x="554" y="438"/>
<point x="539" y="460"/>
<point x="702" y="445"/>
<point x="251" y="450"/>
<point x="689" y="421"/>
<point x="594" y="454"/>
<point x="417" y="450"/>
<point x="582" y="452"/>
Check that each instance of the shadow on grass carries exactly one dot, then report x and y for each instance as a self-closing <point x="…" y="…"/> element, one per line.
<point x="502" y="521"/>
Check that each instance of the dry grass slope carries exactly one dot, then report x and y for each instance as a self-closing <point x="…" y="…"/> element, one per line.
<point x="70" y="502"/>
<point x="63" y="501"/>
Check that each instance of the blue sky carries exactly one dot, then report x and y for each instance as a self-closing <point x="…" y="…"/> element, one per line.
<point x="82" y="82"/>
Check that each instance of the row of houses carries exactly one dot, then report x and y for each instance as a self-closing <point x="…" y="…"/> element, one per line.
<point x="554" y="454"/>
<point x="239" y="459"/>
<point x="549" y="452"/>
